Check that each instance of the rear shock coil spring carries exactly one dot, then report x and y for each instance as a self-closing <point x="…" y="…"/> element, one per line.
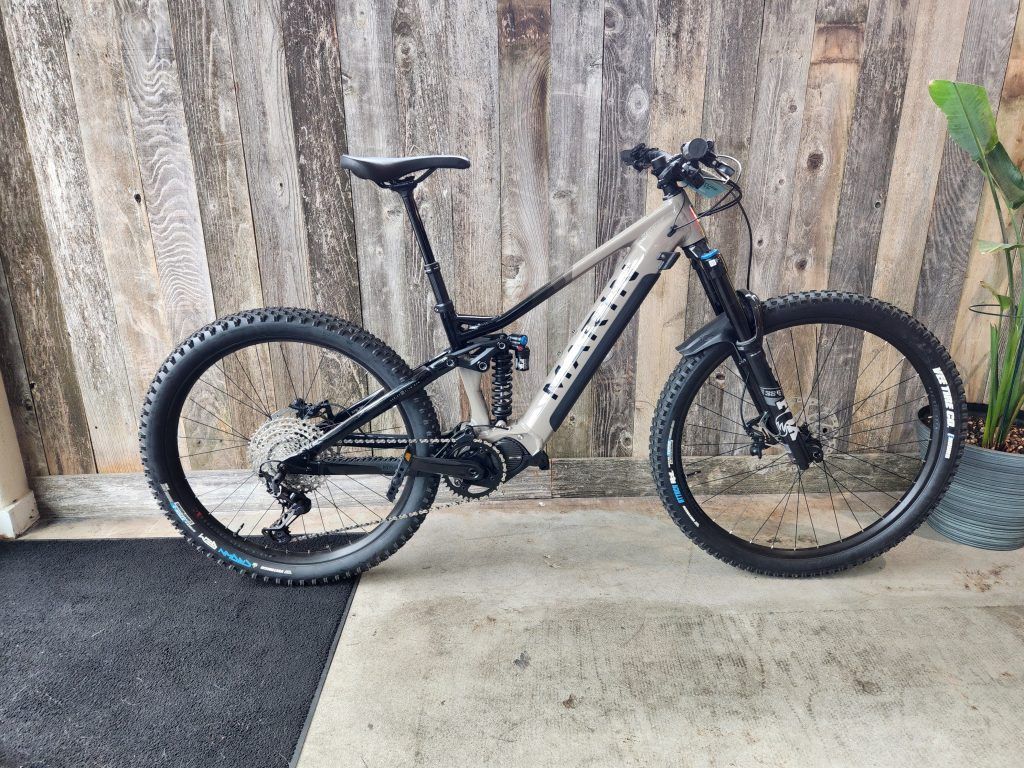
<point x="501" y="386"/>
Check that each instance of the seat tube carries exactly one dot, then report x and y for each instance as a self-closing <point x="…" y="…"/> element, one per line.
<point x="444" y="306"/>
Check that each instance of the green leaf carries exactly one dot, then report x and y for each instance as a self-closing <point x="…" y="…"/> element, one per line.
<point x="1006" y="175"/>
<point x="969" y="115"/>
<point x="989" y="246"/>
<point x="1005" y="302"/>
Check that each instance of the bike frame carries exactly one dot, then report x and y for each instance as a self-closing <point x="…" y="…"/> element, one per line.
<point x="653" y="243"/>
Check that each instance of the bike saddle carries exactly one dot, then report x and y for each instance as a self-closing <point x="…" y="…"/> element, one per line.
<point x="382" y="170"/>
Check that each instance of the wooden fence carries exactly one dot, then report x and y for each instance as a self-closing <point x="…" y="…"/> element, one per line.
<point x="165" y="162"/>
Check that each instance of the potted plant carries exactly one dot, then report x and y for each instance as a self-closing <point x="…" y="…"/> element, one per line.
<point x="984" y="506"/>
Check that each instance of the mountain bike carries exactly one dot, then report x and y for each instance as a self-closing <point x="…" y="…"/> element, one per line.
<point x="798" y="435"/>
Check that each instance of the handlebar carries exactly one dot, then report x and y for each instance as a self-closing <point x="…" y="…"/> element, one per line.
<point x="683" y="168"/>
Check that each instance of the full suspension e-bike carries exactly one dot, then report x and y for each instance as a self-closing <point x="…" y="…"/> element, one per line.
<point x="798" y="435"/>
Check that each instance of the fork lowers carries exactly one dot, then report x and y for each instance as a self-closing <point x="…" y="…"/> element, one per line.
<point x="501" y="386"/>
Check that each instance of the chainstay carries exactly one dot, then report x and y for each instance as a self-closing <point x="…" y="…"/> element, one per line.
<point x="422" y="511"/>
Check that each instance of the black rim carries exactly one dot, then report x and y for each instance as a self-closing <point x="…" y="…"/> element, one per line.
<point x="766" y="505"/>
<point x="257" y="390"/>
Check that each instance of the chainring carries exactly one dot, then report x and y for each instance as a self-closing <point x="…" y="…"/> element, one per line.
<point x="494" y="463"/>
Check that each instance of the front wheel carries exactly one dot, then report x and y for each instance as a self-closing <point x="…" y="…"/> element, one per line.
<point x="856" y="372"/>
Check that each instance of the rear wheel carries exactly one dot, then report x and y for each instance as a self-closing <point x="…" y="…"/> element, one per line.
<point x="855" y="372"/>
<point x="251" y="389"/>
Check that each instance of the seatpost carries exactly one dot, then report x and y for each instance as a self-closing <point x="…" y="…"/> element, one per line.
<point x="444" y="307"/>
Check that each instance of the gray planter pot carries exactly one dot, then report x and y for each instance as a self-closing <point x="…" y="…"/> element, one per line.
<point x="984" y="506"/>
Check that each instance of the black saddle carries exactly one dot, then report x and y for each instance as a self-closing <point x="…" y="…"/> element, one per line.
<point x="384" y="170"/>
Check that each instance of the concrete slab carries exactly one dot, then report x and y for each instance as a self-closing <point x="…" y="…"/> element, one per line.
<point x="594" y="634"/>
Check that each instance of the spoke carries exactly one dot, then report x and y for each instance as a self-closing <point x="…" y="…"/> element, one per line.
<point x="796" y="364"/>
<point x="316" y="372"/>
<point x="748" y="474"/>
<point x="711" y="410"/>
<point x="874" y="429"/>
<point x="873" y="415"/>
<point x="772" y="513"/>
<point x="876" y="466"/>
<point x="842" y="495"/>
<point x="818" y="372"/>
<point x="873" y="391"/>
<point x="263" y="378"/>
<point x="240" y="402"/>
<point x="785" y="507"/>
<point x="810" y="517"/>
<point x="832" y="501"/>
<point x="244" y="368"/>
<point x="242" y="505"/>
<point x="255" y="404"/>
<point x="228" y="431"/>
<point x="883" y="450"/>
<point x="287" y="368"/>
<point x="856" y="495"/>
<point x="203" y="408"/>
<point x="338" y="508"/>
<point x="235" y="490"/>
<point x="354" y="498"/>
<point x="214" y="450"/>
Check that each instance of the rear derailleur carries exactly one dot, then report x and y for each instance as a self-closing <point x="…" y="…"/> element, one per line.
<point x="293" y="503"/>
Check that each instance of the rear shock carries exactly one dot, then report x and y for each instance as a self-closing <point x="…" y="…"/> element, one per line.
<point x="501" y="386"/>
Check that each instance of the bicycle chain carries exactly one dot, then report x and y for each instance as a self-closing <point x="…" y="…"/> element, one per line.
<point x="423" y="511"/>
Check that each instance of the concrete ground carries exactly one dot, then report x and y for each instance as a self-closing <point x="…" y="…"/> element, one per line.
<point x="592" y="633"/>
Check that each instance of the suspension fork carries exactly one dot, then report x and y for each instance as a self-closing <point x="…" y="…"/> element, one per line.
<point x="746" y="315"/>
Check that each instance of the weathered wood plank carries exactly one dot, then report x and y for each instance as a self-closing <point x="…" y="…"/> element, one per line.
<point x="471" y="37"/>
<point x="204" y="58"/>
<point x="889" y="37"/>
<point x="471" y="34"/>
<point x="39" y="375"/>
<point x="128" y="495"/>
<point x="574" y="128"/>
<point x="14" y="373"/>
<point x="315" y="87"/>
<point x="783" y="63"/>
<point x="524" y="53"/>
<point x="912" y="183"/>
<point x="264" y="111"/>
<point x="971" y="332"/>
<point x="625" y="120"/>
<point x="35" y="37"/>
<point x="836" y="52"/>
<point x="161" y="137"/>
<point x="680" y="65"/>
<point x="97" y="74"/>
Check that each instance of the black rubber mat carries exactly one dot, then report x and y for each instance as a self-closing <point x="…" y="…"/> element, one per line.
<point x="142" y="652"/>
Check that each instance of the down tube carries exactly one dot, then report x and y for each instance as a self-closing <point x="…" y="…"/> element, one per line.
<point x="618" y="302"/>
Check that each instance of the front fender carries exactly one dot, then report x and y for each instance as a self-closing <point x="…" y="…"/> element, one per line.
<point x="718" y="331"/>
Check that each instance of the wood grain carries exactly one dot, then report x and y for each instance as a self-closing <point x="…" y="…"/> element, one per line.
<point x="168" y="180"/>
<point x="94" y="58"/>
<point x="783" y="64"/>
<point x="625" y="120"/>
<point x="911" y="192"/>
<point x="573" y="128"/>
<point x="680" y="64"/>
<point x="35" y="37"/>
<point x="883" y="75"/>
<point x="206" y="74"/>
<point x="524" y="54"/>
<point x="318" y="114"/>
<point x="38" y="367"/>
<point x="836" y="52"/>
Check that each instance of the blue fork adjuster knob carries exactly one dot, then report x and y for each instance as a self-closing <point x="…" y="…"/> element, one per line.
<point x="709" y="255"/>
